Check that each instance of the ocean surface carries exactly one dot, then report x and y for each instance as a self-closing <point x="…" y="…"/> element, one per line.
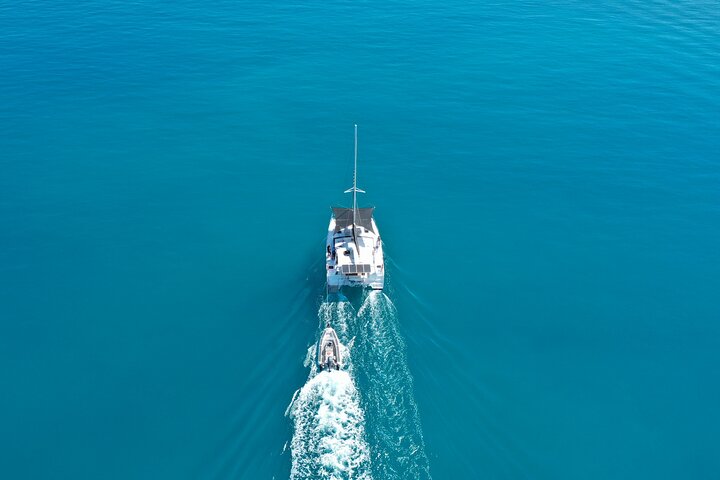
<point x="547" y="184"/>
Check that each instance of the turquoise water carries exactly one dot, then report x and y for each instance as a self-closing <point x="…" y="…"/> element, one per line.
<point x="547" y="184"/>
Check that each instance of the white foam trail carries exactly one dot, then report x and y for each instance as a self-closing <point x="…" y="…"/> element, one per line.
<point x="339" y="315"/>
<point x="329" y="438"/>
<point x="311" y="360"/>
<point x="394" y="428"/>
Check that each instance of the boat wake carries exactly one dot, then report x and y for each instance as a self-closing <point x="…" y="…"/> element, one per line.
<point x="338" y="421"/>
<point x="393" y="425"/>
<point x="329" y="438"/>
<point x="340" y="315"/>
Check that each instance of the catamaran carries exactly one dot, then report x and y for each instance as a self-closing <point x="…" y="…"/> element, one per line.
<point x="354" y="251"/>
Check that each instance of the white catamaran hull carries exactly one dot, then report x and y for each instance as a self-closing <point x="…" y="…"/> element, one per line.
<point x="348" y="265"/>
<point x="354" y="251"/>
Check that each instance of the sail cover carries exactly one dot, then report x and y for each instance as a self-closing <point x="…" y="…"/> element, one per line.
<point x="344" y="217"/>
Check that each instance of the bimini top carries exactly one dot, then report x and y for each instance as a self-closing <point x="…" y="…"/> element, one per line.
<point x="344" y="217"/>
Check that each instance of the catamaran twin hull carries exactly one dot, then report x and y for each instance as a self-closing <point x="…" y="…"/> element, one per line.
<point x="354" y="252"/>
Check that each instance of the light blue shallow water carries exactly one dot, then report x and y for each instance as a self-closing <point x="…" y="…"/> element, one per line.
<point x="547" y="183"/>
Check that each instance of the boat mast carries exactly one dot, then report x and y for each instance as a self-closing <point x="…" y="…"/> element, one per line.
<point x="355" y="183"/>
<point x="354" y="189"/>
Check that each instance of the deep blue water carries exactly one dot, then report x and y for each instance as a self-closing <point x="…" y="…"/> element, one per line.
<point x="547" y="184"/>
